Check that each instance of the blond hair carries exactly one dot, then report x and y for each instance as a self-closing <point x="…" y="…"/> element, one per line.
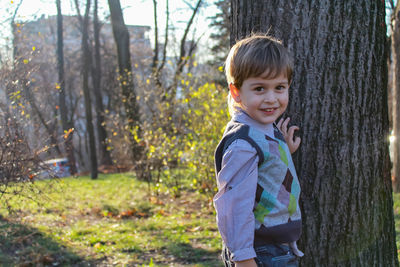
<point x="255" y="56"/>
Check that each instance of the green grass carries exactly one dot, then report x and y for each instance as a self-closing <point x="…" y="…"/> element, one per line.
<point x="112" y="221"/>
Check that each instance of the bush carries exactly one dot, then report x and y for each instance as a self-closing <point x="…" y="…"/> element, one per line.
<point x="183" y="135"/>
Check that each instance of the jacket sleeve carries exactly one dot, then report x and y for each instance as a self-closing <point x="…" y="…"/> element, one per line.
<point x="234" y="202"/>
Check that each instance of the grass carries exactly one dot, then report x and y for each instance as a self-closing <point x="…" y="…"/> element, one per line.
<point x="112" y="221"/>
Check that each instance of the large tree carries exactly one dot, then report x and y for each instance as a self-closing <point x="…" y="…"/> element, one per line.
<point x="339" y="98"/>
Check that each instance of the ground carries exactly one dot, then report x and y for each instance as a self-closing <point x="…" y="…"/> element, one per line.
<point x="113" y="221"/>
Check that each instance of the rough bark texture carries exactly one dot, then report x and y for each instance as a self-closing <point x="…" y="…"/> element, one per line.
<point x="396" y="97"/>
<point x="66" y="124"/>
<point x="339" y="99"/>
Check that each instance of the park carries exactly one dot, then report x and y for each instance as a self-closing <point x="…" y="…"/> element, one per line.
<point x="108" y="128"/>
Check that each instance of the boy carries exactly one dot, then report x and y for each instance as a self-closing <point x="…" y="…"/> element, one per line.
<point x="258" y="214"/>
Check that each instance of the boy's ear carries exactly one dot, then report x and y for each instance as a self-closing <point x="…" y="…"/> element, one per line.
<point x="234" y="92"/>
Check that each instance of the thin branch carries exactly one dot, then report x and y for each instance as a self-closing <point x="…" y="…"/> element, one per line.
<point x="155" y="58"/>
<point x="78" y="10"/>
<point x="181" y="59"/>
<point x="164" y="57"/>
<point x="166" y="39"/>
<point x="15" y="12"/>
<point x="183" y="40"/>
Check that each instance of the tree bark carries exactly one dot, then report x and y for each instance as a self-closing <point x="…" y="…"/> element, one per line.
<point x="339" y="98"/>
<point x="396" y="97"/>
<point x="104" y="155"/>
<point x="86" y="93"/>
<point x="66" y="124"/>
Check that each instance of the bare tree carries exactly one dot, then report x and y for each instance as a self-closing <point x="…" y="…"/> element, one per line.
<point x="105" y="157"/>
<point x="86" y="90"/>
<point x="67" y="124"/>
<point x="121" y="36"/>
<point x="339" y="98"/>
<point x="183" y="54"/>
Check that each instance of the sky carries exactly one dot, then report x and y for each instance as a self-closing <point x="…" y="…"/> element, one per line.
<point x="136" y="12"/>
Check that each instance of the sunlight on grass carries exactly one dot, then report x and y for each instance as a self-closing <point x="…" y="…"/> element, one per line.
<point x="114" y="220"/>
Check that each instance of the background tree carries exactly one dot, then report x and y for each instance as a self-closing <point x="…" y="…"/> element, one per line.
<point x="339" y="99"/>
<point x="221" y="22"/>
<point x="65" y="122"/>
<point x="121" y="36"/>
<point x="104" y="154"/>
<point x="86" y="56"/>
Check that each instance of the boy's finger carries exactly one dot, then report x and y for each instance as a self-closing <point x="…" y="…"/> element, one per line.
<point x="297" y="141"/>
<point x="279" y="124"/>
<point x="285" y="124"/>
<point x="291" y="131"/>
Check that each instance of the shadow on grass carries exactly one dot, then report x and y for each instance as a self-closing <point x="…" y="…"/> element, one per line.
<point x="21" y="245"/>
<point x="185" y="253"/>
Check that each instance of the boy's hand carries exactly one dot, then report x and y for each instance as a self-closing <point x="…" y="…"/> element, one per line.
<point x="292" y="141"/>
<point x="246" y="263"/>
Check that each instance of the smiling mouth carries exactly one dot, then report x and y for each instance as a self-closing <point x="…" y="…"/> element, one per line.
<point x="269" y="109"/>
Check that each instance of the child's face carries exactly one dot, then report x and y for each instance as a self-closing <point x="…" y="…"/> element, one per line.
<point x="263" y="99"/>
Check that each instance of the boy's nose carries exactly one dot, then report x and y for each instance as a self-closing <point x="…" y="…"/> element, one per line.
<point x="269" y="96"/>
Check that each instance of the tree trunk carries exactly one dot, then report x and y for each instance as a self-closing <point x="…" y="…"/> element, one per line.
<point x="339" y="99"/>
<point x="105" y="157"/>
<point x="86" y="93"/>
<point x="396" y="97"/>
<point x="66" y="124"/>
<point x="121" y="36"/>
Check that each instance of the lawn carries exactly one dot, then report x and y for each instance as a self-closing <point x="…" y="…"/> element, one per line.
<point x="112" y="221"/>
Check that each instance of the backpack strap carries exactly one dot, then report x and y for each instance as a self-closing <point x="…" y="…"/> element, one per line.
<point x="233" y="132"/>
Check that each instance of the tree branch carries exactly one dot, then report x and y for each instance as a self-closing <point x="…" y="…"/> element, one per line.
<point x="155" y="58"/>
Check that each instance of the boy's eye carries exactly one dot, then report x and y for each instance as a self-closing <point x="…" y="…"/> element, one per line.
<point x="259" y="89"/>
<point x="280" y="87"/>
